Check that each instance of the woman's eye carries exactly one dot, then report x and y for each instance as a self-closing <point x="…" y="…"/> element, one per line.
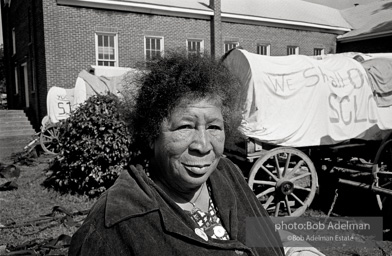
<point x="215" y="127"/>
<point x="186" y="126"/>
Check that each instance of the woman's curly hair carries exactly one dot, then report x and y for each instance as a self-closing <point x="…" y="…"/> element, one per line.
<point x="173" y="78"/>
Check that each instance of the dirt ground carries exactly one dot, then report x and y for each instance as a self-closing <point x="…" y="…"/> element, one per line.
<point x="34" y="219"/>
<point x="37" y="221"/>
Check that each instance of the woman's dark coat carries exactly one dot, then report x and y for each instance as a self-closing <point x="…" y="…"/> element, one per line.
<point x="135" y="217"/>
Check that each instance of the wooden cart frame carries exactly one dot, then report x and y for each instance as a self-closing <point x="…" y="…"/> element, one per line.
<point x="285" y="179"/>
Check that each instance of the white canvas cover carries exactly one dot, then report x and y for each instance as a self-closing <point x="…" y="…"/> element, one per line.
<point x="102" y="81"/>
<point x="301" y="101"/>
<point x="61" y="102"/>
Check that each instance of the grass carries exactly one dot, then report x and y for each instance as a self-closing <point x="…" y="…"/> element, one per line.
<point x="33" y="218"/>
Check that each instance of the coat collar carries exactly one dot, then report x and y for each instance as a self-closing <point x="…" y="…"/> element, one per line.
<point x="130" y="196"/>
<point x="134" y="194"/>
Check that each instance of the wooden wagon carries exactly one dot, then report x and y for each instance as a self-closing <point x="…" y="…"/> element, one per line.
<point x="304" y="115"/>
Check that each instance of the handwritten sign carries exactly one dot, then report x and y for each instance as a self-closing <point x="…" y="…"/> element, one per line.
<point x="298" y="100"/>
<point x="58" y="103"/>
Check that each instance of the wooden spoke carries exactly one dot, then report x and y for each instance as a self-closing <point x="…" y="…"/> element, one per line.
<point x="270" y="190"/>
<point x="47" y="137"/>
<point x="269" y="201"/>
<point x="286" y="167"/>
<point x="301" y="188"/>
<point x="277" y="166"/>
<point x="264" y="182"/>
<point x="300" y="176"/>
<point x="384" y="173"/>
<point x="287" y="205"/>
<point x="277" y="209"/>
<point x="295" y="169"/>
<point x="296" y="198"/>
<point x="386" y="184"/>
<point x="270" y="173"/>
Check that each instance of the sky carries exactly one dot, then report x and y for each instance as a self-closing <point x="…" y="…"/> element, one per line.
<point x="341" y="4"/>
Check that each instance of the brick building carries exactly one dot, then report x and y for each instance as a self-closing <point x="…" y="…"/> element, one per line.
<point x="48" y="42"/>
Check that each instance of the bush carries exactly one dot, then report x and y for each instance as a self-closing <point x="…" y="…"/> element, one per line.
<point x="94" y="144"/>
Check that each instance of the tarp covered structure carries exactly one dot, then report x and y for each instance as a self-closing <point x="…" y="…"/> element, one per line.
<point x="303" y="101"/>
<point x="379" y="71"/>
<point x="96" y="80"/>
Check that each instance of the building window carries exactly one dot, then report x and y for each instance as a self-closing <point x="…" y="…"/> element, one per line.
<point x="106" y="49"/>
<point x="195" y="46"/>
<point x="13" y="41"/>
<point x="263" y="49"/>
<point x="291" y="50"/>
<point x="153" y="47"/>
<point x="230" y="45"/>
<point x="318" y="51"/>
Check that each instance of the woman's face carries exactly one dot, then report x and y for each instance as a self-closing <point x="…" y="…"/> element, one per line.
<point x="190" y="144"/>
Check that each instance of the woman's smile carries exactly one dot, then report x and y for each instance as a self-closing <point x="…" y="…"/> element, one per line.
<point x="197" y="169"/>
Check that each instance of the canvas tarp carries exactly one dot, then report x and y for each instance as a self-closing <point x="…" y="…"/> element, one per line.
<point x="301" y="101"/>
<point x="59" y="104"/>
<point x="379" y="71"/>
<point x="61" y="101"/>
<point x="101" y="81"/>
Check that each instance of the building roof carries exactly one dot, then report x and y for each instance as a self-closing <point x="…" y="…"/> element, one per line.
<point x="292" y="13"/>
<point x="368" y="21"/>
<point x="287" y="10"/>
<point x="193" y="9"/>
<point x="197" y="5"/>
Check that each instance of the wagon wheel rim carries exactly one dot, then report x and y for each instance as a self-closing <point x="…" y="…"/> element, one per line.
<point x="285" y="181"/>
<point x="49" y="139"/>
<point x="382" y="170"/>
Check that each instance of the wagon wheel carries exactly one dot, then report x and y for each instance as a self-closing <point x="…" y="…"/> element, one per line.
<point x="285" y="181"/>
<point x="49" y="139"/>
<point x="382" y="171"/>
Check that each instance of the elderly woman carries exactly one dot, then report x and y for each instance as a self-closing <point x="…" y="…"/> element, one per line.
<point x="191" y="200"/>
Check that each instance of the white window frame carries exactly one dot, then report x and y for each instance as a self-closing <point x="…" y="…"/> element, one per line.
<point x="26" y="84"/>
<point x="316" y="50"/>
<point x="115" y="47"/>
<point x="195" y="41"/>
<point x="13" y="41"/>
<point x="33" y="86"/>
<point x="16" y="80"/>
<point x="292" y="50"/>
<point x="161" y="44"/>
<point x="263" y="49"/>
<point x="228" y="45"/>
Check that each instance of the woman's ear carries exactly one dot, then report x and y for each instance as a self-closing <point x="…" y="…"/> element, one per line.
<point x="151" y="144"/>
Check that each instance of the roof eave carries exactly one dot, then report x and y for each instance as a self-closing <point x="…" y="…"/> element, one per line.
<point x="199" y="14"/>
<point x="140" y="8"/>
<point x="254" y="20"/>
<point x="364" y="36"/>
